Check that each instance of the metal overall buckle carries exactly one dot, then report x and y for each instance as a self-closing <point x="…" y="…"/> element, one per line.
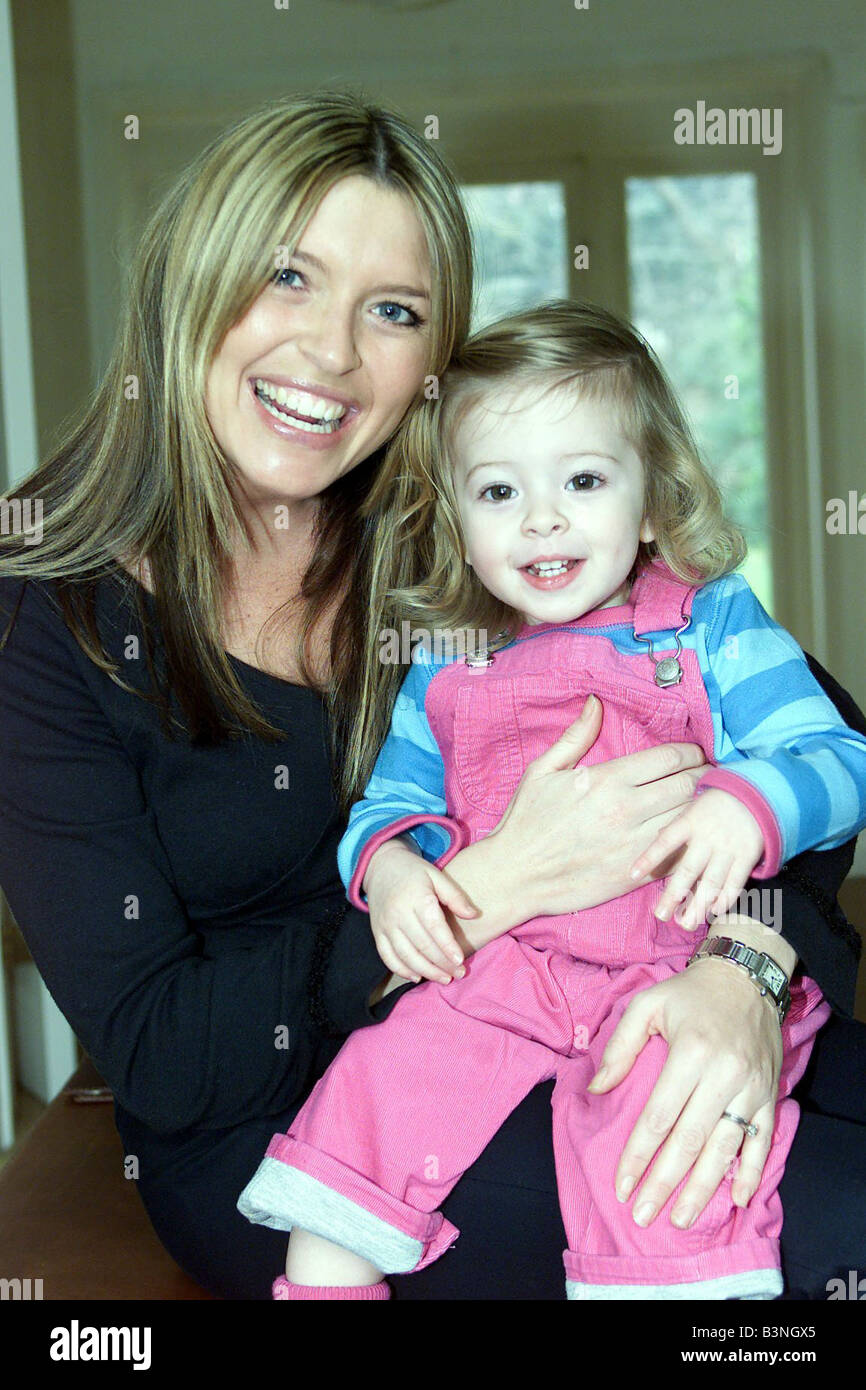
<point x="668" y="670"/>
<point x="483" y="657"/>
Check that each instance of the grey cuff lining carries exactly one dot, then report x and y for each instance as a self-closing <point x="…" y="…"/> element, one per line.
<point x="281" y="1197"/>
<point x="751" y="1284"/>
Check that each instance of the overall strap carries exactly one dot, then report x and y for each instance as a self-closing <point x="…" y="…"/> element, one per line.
<point x="661" y="599"/>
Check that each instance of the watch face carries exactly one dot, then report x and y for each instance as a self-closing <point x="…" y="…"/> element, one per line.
<point x="773" y="976"/>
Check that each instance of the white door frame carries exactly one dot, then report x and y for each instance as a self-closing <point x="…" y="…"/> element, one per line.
<point x="53" y="1036"/>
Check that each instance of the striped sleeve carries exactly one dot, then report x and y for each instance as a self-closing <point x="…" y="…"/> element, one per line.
<point x="405" y="792"/>
<point x="775" y="729"/>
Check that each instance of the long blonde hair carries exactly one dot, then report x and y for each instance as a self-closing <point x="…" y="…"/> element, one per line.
<point x="144" y="477"/>
<point x="418" y="559"/>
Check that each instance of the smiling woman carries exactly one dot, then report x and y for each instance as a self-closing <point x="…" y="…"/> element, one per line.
<point x="311" y="331"/>
<point x="259" y="265"/>
<point x="140" y="719"/>
<point x="277" y="392"/>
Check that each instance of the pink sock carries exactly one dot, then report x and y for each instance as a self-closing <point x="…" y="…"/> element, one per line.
<point x="283" y="1288"/>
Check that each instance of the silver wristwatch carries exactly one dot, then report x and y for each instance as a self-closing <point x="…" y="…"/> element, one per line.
<point x="767" y="974"/>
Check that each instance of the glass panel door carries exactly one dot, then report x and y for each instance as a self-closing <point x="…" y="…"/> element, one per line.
<point x="695" y="290"/>
<point x="519" y="234"/>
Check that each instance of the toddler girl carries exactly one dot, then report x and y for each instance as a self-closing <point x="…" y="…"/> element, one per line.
<point x="572" y="517"/>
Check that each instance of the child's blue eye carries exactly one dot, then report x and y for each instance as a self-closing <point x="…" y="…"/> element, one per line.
<point x="497" y="487"/>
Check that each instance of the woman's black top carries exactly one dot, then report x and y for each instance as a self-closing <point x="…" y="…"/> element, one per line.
<point x="182" y="903"/>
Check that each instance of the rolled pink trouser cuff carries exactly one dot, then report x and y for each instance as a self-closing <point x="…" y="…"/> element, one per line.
<point x="297" y="1185"/>
<point x="702" y="1274"/>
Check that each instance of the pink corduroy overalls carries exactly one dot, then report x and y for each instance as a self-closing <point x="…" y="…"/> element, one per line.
<point x="409" y="1104"/>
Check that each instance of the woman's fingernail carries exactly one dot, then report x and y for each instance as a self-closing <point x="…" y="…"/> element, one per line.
<point x="600" y="1076"/>
<point x="683" y="1218"/>
<point x="644" y="1214"/>
<point x="624" y="1189"/>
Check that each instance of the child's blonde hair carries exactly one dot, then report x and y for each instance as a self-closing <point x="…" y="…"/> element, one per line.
<point x="560" y="343"/>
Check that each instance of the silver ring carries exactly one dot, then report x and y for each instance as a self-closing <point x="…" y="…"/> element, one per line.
<point x="750" y="1129"/>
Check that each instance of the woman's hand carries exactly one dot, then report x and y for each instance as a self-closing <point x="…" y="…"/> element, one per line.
<point x="529" y="867"/>
<point x="725" y="1053"/>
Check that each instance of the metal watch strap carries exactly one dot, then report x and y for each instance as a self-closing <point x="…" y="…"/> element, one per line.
<point x="767" y="974"/>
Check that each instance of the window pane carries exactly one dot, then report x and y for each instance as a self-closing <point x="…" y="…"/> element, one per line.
<point x="518" y="230"/>
<point x="694" y="268"/>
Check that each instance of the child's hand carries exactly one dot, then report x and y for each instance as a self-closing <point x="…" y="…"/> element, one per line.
<point x="405" y="895"/>
<point x="723" y="843"/>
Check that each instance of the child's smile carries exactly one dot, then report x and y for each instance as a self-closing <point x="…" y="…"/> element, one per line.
<point x="551" y="572"/>
<point x="551" y="496"/>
